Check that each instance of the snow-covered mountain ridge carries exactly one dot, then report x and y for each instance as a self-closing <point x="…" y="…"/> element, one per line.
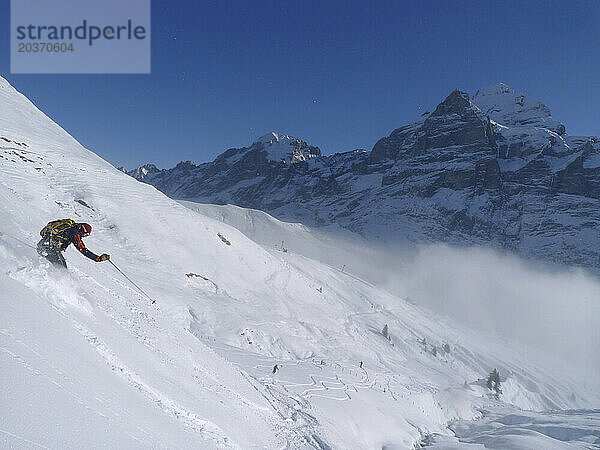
<point x="496" y="169"/>
<point x="247" y="346"/>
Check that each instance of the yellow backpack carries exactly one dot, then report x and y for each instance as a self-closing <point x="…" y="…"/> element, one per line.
<point x="54" y="229"/>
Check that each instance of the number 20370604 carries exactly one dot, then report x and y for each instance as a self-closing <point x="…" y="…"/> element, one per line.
<point x="40" y="47"/>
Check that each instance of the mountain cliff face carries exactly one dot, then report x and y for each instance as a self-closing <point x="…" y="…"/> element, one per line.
<point x="493" y="169"/>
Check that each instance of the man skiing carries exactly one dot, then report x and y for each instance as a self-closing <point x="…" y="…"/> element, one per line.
<point x="59" y="234"/>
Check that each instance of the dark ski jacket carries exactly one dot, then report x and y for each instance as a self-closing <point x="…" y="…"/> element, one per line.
<point x="72" y="236"/>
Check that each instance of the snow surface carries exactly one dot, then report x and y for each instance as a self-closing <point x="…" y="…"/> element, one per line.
<point x="507" y="107"/>
<point x="247" y="346"/>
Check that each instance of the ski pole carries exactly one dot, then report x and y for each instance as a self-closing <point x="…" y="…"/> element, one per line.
<point x="17" y="239"/>
<point x="129" y="279"/>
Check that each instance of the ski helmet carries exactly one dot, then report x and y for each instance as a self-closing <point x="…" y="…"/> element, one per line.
<point x="84" y="229"/>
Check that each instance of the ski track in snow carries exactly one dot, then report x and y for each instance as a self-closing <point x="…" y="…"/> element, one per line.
<point x="189" y="419"/>
<point x="22" y="439"/>
<point x="130" y="316"/>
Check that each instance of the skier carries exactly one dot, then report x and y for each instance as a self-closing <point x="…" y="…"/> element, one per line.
<point x="59" y="234"/>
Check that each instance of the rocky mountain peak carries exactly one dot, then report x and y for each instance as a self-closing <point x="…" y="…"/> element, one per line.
<point x="281" y="147"/>
<point x="454" y="122"/>
<point x="495" y="90"/>
<point x="141" y="172"/>
<point x="186" y="165"/>
<point x="508" y="107"/>
<point x="455" y="103"/>
<point x="273" y="136"/>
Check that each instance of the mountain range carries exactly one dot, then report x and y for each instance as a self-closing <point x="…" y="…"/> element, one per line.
<point x="493" y="169"/>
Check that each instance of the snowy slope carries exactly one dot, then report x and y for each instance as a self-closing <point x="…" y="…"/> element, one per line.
<point x="88" y="362"/>
<point x="553" y="311"/>
<point x="512" y="309"/>
<point x="333" y="245"/>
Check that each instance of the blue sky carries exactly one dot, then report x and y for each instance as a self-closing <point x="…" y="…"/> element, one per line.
<point x="337" y="74"/>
